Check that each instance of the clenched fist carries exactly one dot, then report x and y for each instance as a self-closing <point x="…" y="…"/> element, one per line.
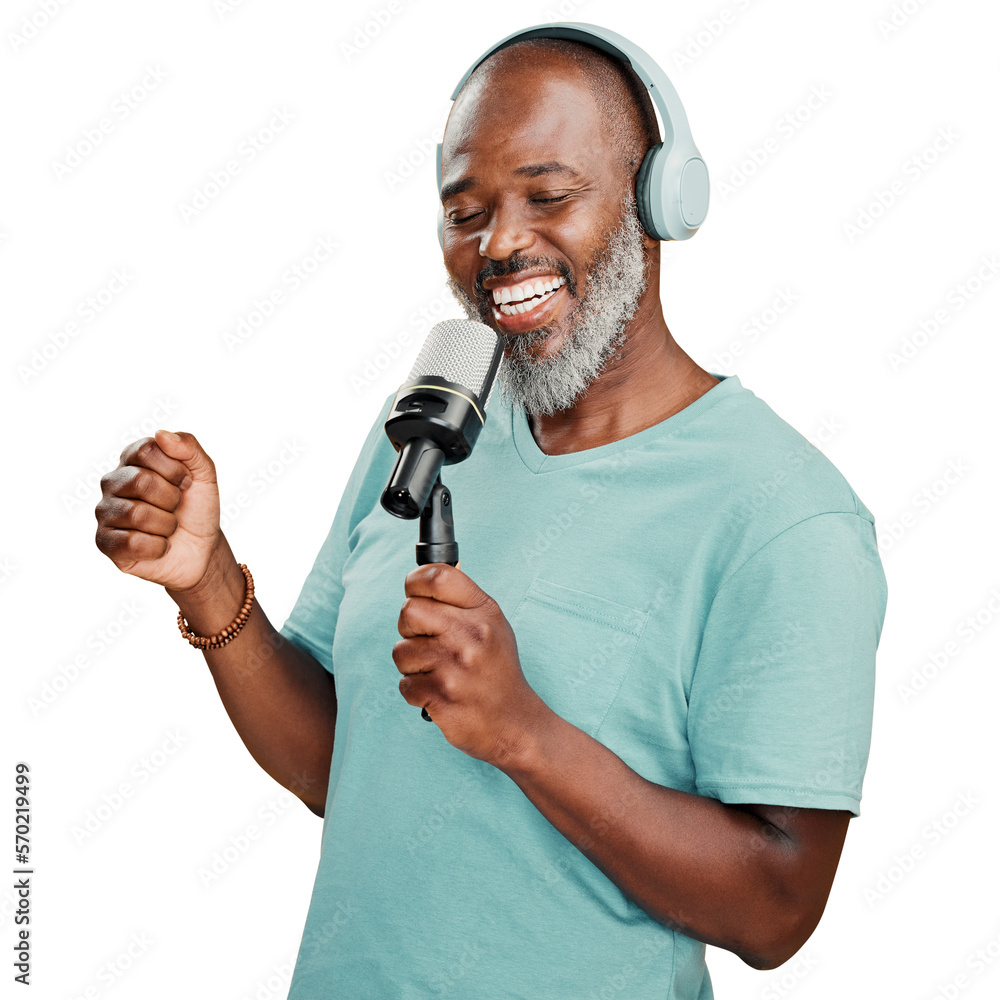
<point x="159" y="518"/>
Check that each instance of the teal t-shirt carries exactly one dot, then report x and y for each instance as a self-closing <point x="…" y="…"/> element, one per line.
<point x="704" y="597"/>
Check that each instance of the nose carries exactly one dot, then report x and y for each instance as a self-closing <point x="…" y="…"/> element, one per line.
<point x="507" y="232"/>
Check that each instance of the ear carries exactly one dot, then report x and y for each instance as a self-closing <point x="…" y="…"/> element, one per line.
<point x="649" y="242"/>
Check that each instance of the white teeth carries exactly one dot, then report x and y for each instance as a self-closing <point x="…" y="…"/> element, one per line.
<point x="512" y="308"/>
<point x="512" y="300"/>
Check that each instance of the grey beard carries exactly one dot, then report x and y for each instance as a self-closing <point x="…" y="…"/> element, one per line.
<point x="616" y="279"/>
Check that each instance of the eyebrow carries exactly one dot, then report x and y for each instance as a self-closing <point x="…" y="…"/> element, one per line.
<point x="528" y="170"/>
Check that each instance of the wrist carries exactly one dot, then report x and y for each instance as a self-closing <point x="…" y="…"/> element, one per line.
<point x="522" y="751"/>
<point x="211" y="603"/>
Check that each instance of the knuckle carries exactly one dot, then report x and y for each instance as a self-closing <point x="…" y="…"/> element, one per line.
<point x="145" y="449"/>
<point x="112" y="544"/>
<point x="141" y="516"/>
<point x="129" y="450"/>
<point x="478" y="632"/>
<point x="138" y="515"/>
<point x="110" y="480"/>
<point x="137" y="546"/>
<point x="145" y="482"/>
<point x="447" y="687"/>
<point x="463" y="655"/>
<point x="406" y="612"/>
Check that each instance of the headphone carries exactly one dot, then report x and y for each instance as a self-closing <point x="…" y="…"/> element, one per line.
<point x="671" y="188"/>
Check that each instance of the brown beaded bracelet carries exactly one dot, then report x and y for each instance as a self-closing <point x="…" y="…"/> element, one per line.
<point x="230" y="632"/>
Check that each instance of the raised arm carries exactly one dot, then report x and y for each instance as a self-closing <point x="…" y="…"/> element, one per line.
<point x="159" y="521"/>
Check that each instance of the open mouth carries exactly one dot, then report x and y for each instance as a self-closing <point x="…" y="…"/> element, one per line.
<point x="526" y="297"/>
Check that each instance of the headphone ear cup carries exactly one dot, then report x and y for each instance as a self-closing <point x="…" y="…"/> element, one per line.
<point x="643" y="197"/>
<point x="671" y="198"/>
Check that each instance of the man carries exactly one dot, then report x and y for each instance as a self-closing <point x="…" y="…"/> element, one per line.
<point x="651" y="681"/>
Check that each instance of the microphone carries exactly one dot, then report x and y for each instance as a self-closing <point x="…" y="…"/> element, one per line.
<point x="439" y="410"/>
<point x="435" y="420"/>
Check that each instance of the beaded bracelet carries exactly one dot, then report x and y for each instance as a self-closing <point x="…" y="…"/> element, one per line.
<point x="230" y="632"/>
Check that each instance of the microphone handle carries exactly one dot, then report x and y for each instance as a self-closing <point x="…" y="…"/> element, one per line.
<point x="437" y="535"/>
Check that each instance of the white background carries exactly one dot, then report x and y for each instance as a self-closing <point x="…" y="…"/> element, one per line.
<point x="917" y="439"/>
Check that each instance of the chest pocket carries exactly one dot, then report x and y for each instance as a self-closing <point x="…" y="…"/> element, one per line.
<point x="575" y="649"/>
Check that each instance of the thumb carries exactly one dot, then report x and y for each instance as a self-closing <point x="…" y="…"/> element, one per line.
<point x="185" y="448"/>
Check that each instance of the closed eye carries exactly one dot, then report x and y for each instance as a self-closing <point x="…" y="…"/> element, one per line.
<point x="538" y="201"/>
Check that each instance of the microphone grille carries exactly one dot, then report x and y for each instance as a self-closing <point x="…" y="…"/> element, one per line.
<point x="462" y="351"/>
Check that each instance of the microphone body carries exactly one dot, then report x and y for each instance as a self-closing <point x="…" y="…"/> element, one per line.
<point x="439" y="410"/>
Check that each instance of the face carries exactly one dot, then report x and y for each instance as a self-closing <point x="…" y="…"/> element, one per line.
<point x="541" y="241"/>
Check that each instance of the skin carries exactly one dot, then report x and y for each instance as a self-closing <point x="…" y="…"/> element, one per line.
<point x="752" y="879"/>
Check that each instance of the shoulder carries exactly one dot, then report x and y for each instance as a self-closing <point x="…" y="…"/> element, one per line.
<point x="770" y="475"/>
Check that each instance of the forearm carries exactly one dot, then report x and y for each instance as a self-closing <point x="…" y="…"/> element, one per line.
<point x="279" y="698"/>
<point x="715" y="872"/>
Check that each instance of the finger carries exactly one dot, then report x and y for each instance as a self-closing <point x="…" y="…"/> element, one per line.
<point x="125" y="548"/>
<point x="419" y="655"/>
<point x="430" y="691"/>
<point x="423" y="616"/>
<point x="415" y="692"/>
<point x="136" y="515"/>
<point x="147" y="454"/>
<point x="445" y="583"/>
<point x="136" y="483"/>
<point x="184" y="447"/>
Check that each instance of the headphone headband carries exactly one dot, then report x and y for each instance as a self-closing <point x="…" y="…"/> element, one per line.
<point x="672" y="184"/>
<point x="661" y="90"/>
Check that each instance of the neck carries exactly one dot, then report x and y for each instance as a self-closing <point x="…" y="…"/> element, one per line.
<point x="652" y="379"/>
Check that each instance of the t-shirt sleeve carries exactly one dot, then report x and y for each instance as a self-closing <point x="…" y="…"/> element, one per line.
<point x="781" y="701"/>
<point x="313" y="618"/>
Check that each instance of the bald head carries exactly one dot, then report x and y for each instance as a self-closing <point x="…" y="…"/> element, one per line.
<point x="625" y="109"/>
